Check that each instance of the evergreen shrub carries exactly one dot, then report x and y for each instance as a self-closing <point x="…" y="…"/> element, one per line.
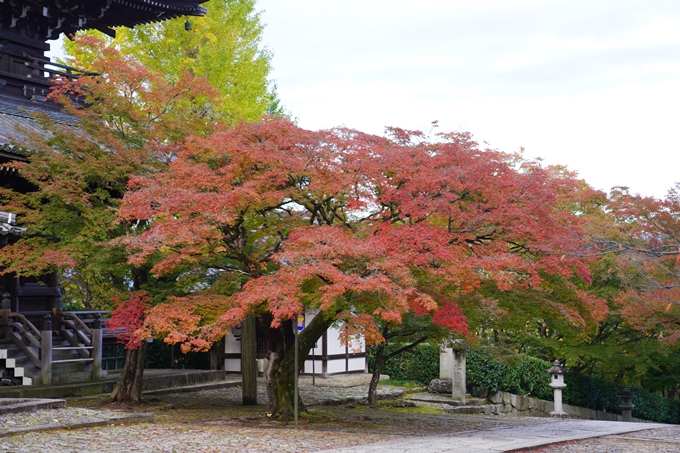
<point x="420" y="364"/>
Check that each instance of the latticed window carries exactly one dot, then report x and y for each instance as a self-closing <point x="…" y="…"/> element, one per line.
<point x="113" y="357"/>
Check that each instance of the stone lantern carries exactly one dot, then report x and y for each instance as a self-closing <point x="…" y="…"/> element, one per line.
<point x="557" y="383"/>
<point x="626" y="404"/>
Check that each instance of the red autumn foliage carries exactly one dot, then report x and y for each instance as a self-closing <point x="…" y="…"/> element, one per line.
<point x="360" y="226"/>
<point x="127" y="319"/>
<point x="644" y="235"/>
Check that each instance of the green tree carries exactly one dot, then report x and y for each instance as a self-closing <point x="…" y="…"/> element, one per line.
<point x="134" y="120"/>
<point x="224" y="47"/>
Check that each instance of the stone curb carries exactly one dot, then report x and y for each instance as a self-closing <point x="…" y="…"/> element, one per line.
<point x="15" y="405"/>
<point x="192" y="388"/>
<point x="565" y="441"/>
<point x="140" y="417"/>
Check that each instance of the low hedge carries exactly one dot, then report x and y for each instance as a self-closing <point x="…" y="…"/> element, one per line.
<point x="599" y="394"/>
<point x="420" y="364"/>
<point x="524" y="375"/>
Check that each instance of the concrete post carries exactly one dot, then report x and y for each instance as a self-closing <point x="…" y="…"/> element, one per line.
<point x="97" y="348"/>
<point x="46" y="351"/>
<point x="446" y="363"/>
<point x="458" y="378"/>
<point x="213" y="356"/>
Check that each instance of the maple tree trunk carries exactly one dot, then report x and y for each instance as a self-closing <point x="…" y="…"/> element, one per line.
<point x="129" y="386"/>
<point x="375" y="378"/>
<point x="280" y="374"/>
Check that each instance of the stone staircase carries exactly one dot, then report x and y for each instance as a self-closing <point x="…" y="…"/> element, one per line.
<point x="67" y="364"/>
<point x="471" y="405"/>
<point x="29" y="356"/>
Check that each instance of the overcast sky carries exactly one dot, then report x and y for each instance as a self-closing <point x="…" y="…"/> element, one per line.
<point x="591" y="84"/>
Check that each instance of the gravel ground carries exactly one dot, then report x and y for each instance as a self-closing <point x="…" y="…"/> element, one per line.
<point x="215" y="421"/>
<point x="663" y="440"/>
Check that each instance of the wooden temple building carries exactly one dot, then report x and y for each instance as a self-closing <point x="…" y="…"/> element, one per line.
<point x="39" y="342"/>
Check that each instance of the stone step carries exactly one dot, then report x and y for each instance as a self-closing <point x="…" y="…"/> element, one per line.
<point x="488" y="409"/>
<point x="69" y="367"/>
<point x="63" y="378"/>
<point x="445" y="399"/>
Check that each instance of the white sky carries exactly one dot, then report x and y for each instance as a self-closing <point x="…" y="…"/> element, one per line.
<point x="594" y="85"/>
<point x="591" y="84"/>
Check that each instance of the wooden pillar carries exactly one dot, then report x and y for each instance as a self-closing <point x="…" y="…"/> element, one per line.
<point x="4" y="313"/>
<point x="46" y="351"/>
<point x="57" y="310"/>
<point x="97" y="349"/>
<point x="249" y="361"/>
<point x="213" y="356"/>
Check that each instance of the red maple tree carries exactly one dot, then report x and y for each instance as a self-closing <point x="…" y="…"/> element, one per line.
<point x="366" y="229"/>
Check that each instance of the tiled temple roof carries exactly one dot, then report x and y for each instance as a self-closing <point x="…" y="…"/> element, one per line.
<point x="45" y="19"/>
<point x="17" y="116"/>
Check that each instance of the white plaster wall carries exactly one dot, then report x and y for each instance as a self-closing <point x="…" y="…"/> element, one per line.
<point x="357" y="364"/>
<point x="231" y="344"/>
<point x="232" y="365"/>
<point x="318" y="364"/>
<point x="336" y="366"/>
<point x="334" y="344"/>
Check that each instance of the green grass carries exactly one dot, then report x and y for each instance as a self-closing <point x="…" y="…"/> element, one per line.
<point x="397" y="383"/>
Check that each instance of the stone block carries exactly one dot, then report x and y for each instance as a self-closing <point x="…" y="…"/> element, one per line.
<point x="440" y="386"/>
<point x="495" y="397"/>
<point x="545" y="407"/>
<point x="523" y="403"/>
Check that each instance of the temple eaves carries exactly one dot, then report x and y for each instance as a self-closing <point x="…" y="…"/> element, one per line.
<point x="46" y="19"/>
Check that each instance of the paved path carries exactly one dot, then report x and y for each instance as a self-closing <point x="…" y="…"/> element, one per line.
<point x="504" y="439"/>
